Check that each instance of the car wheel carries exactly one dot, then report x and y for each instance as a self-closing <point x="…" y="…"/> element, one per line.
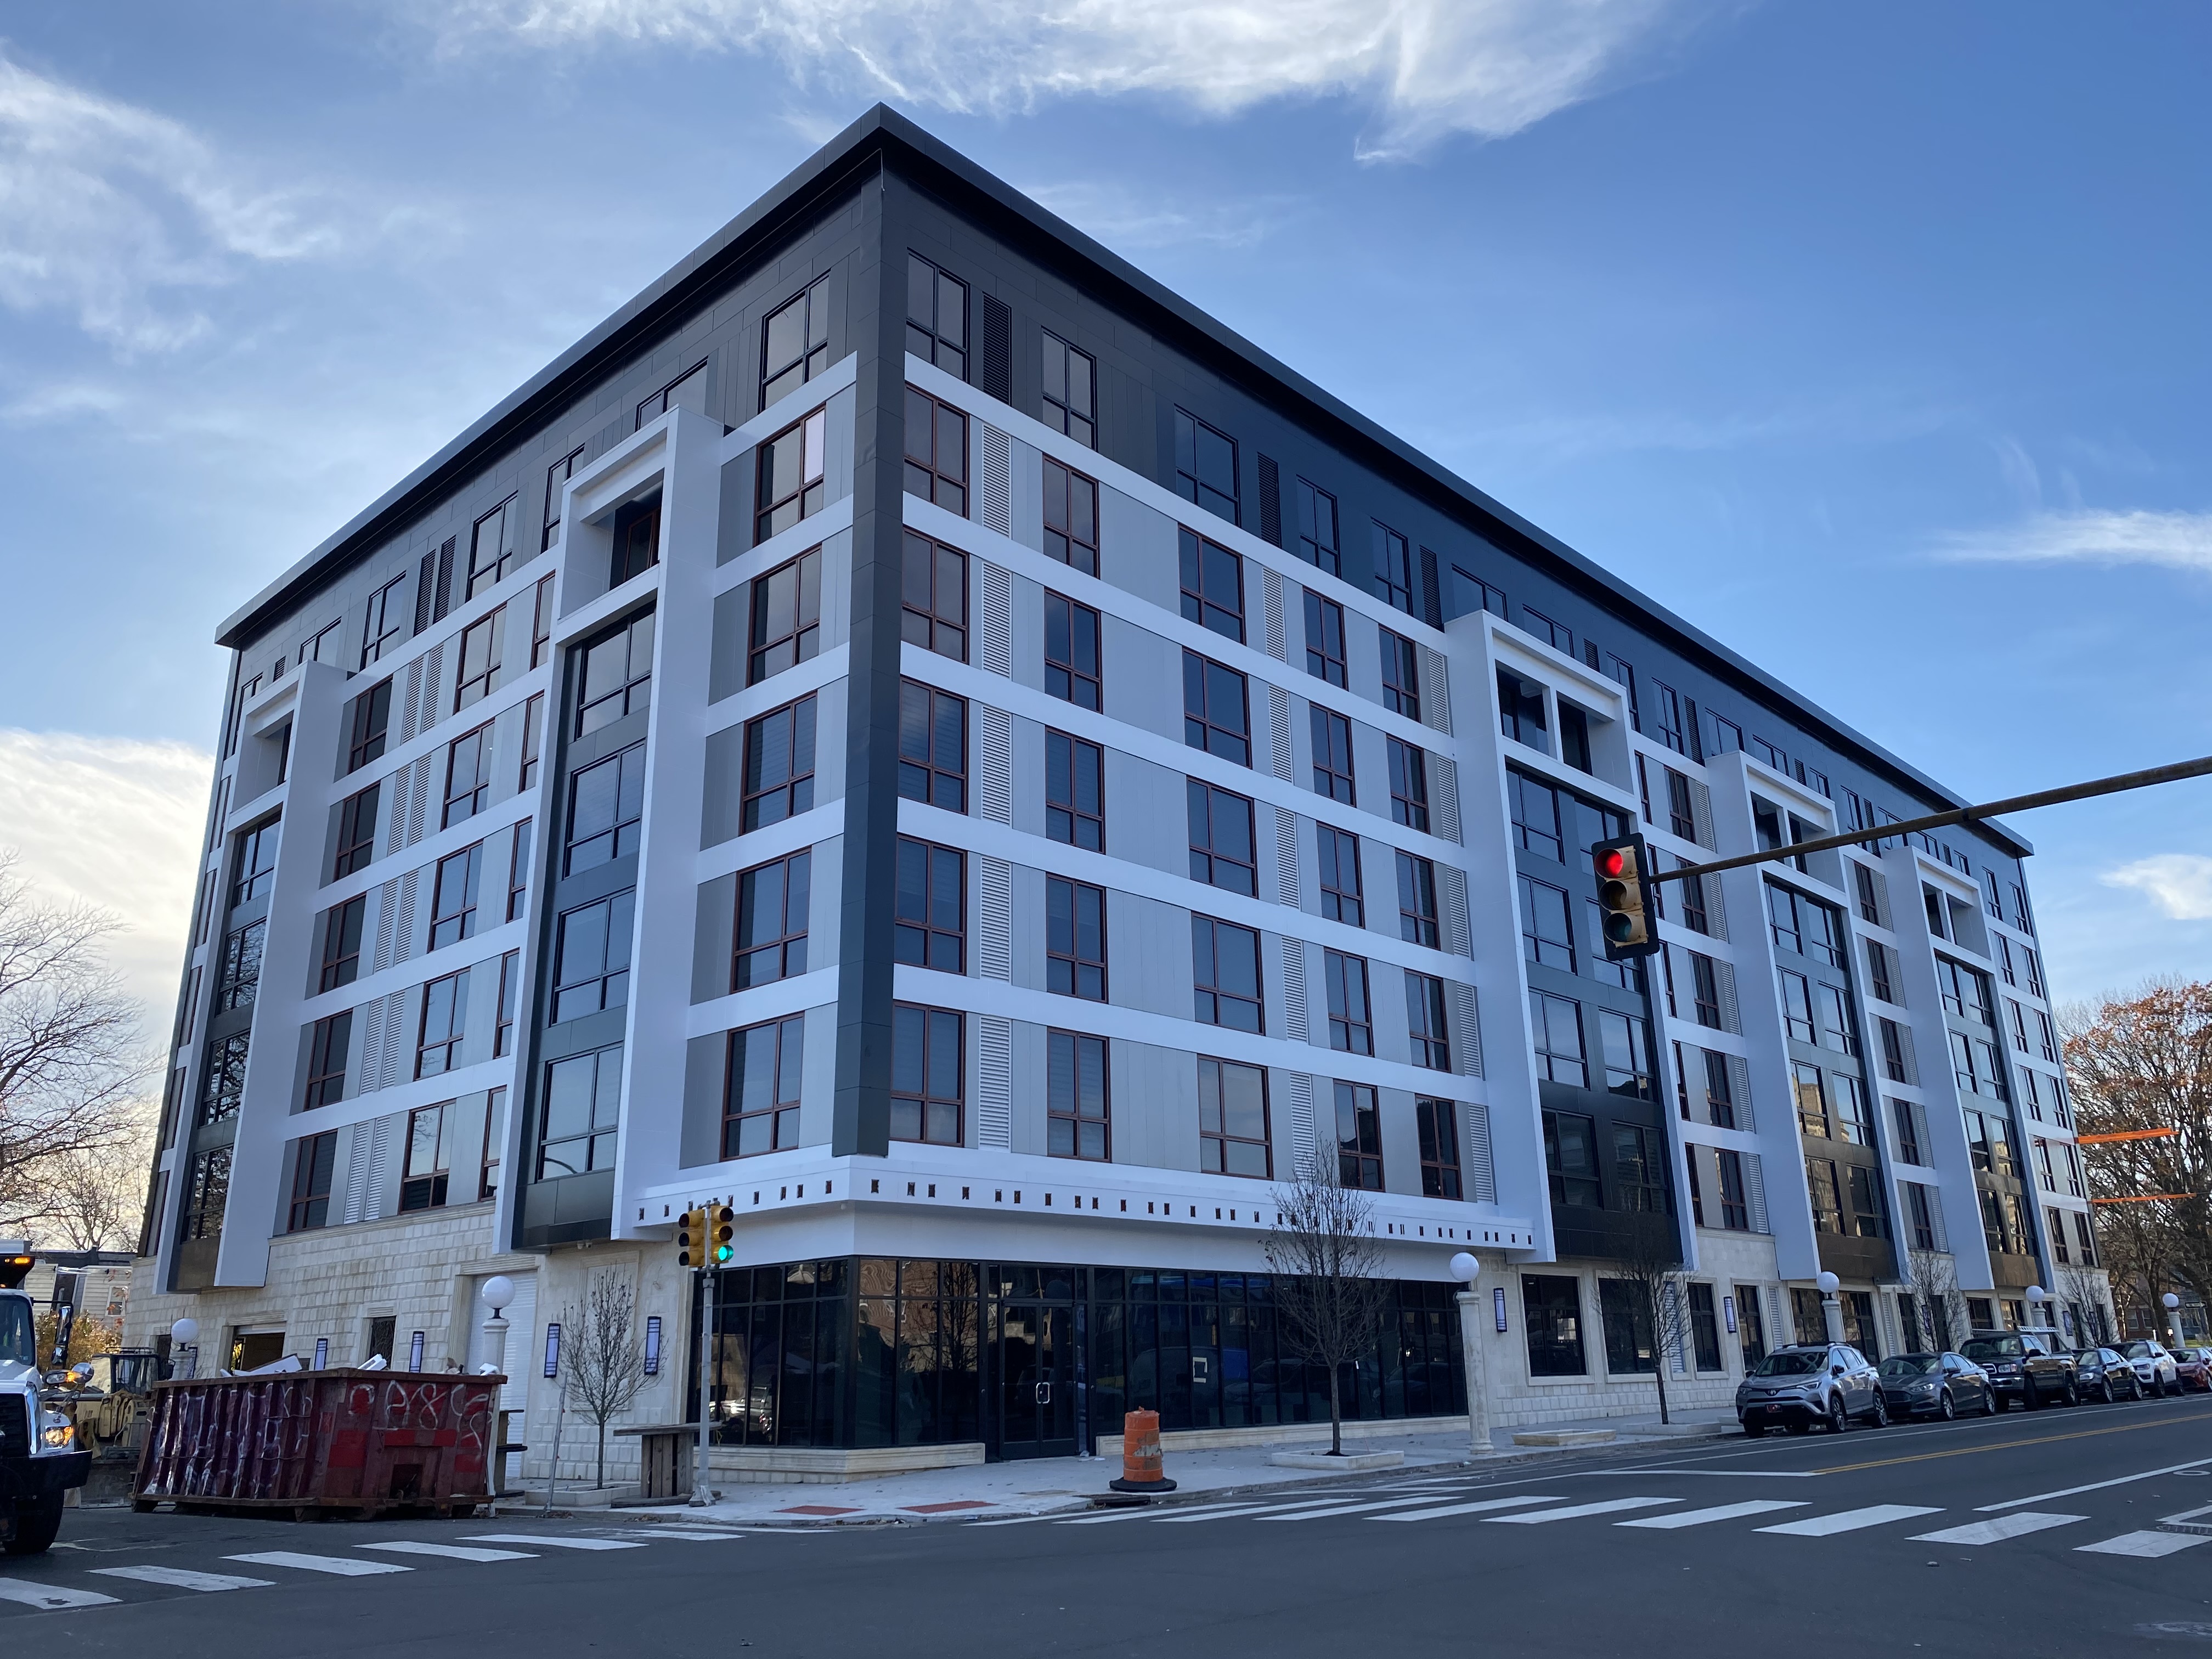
<point x="1879" y="1415"/>
<point x="2107" y="1394"/>
<point x="37" y="1521"/>
<point x="1945" y="1407"/>
<point x="2073" y="1395"/>
<point x="1838" y="1419"/>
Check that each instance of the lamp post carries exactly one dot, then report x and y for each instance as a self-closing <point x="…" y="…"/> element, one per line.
<point x="1831" y="1311"/>
<point x="2038" y="1298"/>
<point x="183" y="1341"/>
<point x="1467" y="1269"/>
<point x="498" y="1291"/>
<point x="2172" y="1304"/>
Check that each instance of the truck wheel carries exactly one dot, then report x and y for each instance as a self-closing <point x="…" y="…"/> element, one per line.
<point x="38" y="1522"/>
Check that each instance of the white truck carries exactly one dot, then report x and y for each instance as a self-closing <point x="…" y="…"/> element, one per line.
<point x="40" y="1458"/>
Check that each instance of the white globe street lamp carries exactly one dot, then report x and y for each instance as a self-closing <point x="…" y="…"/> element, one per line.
<point x="184" y="1339"/>
<point x="1831" y="1311"/>
<point x="1466" y="1268"/>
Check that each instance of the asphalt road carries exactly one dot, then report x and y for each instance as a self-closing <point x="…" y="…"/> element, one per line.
<point x="2020" y="1535"/>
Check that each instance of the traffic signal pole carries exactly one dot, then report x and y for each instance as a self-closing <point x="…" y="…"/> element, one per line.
<point x="1875" y="835"/>
<point x="702" y="1485"/>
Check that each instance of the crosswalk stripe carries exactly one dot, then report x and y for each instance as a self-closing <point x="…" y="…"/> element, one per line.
<point x="2149" y="1545"/>
<point x="553" y="1543"/>
<point x="53" y="1597"/>
<point x="1823" y="1526"/>
<point x="1610" y="1506"/>
<point x="449" y="1552"/>
<point x="1718" y="1513"/>
<point x="1342" y="1508"/>
<point x="1477" y="1508"/>
<point x="338" y="1566"/>
<point x="184" y="1578"/>
<point x="1147" y="1513"/>
<point x="697" y="1535"/>
<point x="1214" y="1514"/>
<point x="2015" y="1525"/>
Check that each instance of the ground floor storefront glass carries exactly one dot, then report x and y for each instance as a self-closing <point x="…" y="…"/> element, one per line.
<point x="1035" y="1360"/>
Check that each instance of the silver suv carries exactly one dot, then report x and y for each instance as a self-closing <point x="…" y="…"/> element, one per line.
<point x="2155" y="1367"/>
<point x="1796" y="1386"/>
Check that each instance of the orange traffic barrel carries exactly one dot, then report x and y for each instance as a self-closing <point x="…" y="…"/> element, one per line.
<point x="1140" y="1454"/>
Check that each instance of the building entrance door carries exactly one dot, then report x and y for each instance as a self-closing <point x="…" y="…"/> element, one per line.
<point x="1034" y="1361"/>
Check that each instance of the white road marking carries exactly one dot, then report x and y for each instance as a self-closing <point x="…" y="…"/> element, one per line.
<point x="2015" y="1525"/>
<point x="1823" y="1526"/>
<point x="1222" y="1514"/>
<point x="449" y="1552"/>
<point x="1312" y="1513"/>
<point x="338" y="1566"/>
<point x="697" y="1535"/>
<point x="551" y="1542"/>
<point x="1151" y="1514"/>
<point x="1479" y="1508"/>
<point x="1719" y="1512"/>
<point x="1610" y="1506"/>
<point x="50" y="1596"/>
<point x="2150" y="1545"/>
<point x="181" y="1578"/>
<point x="2094" y="1486"/>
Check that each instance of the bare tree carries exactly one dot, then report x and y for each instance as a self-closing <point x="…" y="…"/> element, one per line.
<point x="71" y="1068"/>
<point x="2084" y="1289"/>
<point x="2141" y="1063"/>
<point x="1650" y="1265"/>
<point x="1329" y="1265"/>
<point x="1934" y="1276"/>
<point x="92" y="1200"/>
<point x="607" y="1360"/>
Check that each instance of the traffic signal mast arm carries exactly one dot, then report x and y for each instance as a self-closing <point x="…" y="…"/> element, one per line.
<point x="2173" y="774"/>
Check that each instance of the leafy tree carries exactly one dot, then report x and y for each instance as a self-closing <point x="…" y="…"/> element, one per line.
<point x="2145" y="1062"/>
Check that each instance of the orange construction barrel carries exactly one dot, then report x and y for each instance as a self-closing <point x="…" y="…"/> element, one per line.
<point x="1140" y="1454"/>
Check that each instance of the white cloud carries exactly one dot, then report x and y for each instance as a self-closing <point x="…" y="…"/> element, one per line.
<point x="2181" y="883"/>
<point x="1123" y="218"/>
<point x="117" y="822"/>
<point x="112" y="212"/>
<point x="1429" y="67"/>
<point x="2178" y="541"/>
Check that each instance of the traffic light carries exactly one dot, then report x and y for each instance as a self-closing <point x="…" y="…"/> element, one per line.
<point x="721" y="1221"/>
<point x="1626" y="905"/>
<point x="691" y="1239"/>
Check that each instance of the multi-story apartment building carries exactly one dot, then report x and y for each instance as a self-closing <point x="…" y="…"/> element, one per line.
<point x="911" y="730"/>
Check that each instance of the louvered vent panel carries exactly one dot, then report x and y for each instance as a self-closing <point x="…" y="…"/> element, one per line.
<point x="1739" y="1076"/>
<point x="995" y="918"/>
<point x="403" y="924"/>
<point x="1466" y="1032"/>
<point x="1271" y="501"/>
<point x="1294" y="990"/>
<point x="994" y="765"/>
<point x="1286" y="857"/>
<point x="1278" y="721"/>
<point x="1481" y="1172"/>
<point x="998" y="481"/>
<point x="1754" y="1181"/>
<point x="357" y="1156"/>
<point x="387" y="904"/>
<point x="1299" y="1086"/>
<point x="995" y="594"/>
<point x="1436" y="690"/>
<point x="1271" y="603"/>
<point x="1451" y="901"/>
<point x="994" y="1083"/>
<point x="1443" y="776"/>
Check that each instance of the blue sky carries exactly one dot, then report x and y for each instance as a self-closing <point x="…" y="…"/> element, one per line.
<point x="1871" y="338"/>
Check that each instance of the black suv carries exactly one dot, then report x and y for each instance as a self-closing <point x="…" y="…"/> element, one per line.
<point x="1805" y="1383"/>
<point x="2027" y="1368"/>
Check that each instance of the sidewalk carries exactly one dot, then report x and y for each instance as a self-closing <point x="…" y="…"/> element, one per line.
<point x="1049" y="1485"/>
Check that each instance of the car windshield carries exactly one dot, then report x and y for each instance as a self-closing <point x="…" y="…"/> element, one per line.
<point x="1790" y="1365"/>
<point x="18" y="1343"/>
<point x="2137" y="1351"/>
<point x="1995" y="1347"/>
<point x="1910" y="1364"/>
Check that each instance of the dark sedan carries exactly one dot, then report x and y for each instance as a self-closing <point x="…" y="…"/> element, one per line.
<point x="2106" y="1375"/>
<point x="1935" y="1385"/>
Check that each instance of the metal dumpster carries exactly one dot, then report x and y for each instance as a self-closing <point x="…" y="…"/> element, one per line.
<point x="311" y="1442"/>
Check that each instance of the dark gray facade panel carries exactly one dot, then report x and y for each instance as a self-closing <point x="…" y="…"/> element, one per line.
<point x="861" y="1112"/>
<point x="714" y="938"/>
<point x="706" y="1059"/>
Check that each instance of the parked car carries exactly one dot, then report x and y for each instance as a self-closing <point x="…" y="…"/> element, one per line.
<point x="1935" y="1385"/>
<point x="2026" y="1367"/>
<point x="2105" y="1375"/>
<point x="2193" y="1366"/>
<point x="2155" y="1369"/>
<point x="1796" y="1386"/>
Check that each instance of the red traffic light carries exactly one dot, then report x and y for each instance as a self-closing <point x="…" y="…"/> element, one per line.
<point x="1611" y="861"/>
